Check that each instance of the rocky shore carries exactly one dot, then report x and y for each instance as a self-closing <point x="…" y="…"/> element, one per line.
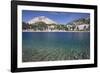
<point x="54" y="54"/>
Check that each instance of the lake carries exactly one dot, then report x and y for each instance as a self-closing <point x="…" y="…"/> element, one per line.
<point x="53" y="46"/>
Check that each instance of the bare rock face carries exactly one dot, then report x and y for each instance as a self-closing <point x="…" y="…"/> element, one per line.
<point x="41" y="19"/>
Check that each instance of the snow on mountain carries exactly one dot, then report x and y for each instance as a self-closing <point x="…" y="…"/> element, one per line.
<point x="41" y="19"/>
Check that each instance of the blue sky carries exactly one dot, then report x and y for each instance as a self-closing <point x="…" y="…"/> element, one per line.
<point x="59" y="17"/>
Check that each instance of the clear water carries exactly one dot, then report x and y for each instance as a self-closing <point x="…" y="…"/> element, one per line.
<point x="51" y="46"/>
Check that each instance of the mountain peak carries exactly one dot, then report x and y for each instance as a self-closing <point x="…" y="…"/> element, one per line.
<point x="41" y="19"/>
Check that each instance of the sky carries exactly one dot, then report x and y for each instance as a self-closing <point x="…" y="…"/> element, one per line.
<point x="59" y="17"/>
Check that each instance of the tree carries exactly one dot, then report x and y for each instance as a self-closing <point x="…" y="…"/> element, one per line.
<point x="73" y="27"/>
<point x="77" y="29"/>
<point x="84" y="28"/>
<point x="41" y="26"/>
<point x="25" y="25"/>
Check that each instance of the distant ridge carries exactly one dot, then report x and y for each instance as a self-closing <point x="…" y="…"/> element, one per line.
<point x="80" y="21"/>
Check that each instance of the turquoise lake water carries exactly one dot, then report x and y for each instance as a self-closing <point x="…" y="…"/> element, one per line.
<point x="51" y="46"/>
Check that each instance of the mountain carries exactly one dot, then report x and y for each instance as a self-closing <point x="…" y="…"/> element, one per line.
<point x="41" y="19"/>
<point x="80" y="21"/>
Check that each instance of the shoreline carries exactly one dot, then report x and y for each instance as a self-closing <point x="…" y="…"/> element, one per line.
<point x="52" y="31"/>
